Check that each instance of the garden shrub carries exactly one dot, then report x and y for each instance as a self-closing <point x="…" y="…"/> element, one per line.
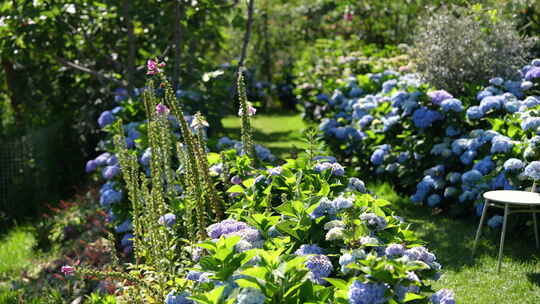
<point x="449" y="149"/>
<point x="296" y="233"/>
<point x="456" y="48"/>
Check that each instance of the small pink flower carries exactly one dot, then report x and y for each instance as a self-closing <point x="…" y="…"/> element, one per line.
<point x="348" y="16"/>
<point x="162" y="109"/>
<point x="67" y="270"/>
<point x="199" y="123"/>
<point x="250" y="109"/>
<point x="404" y="68"/>
<point x="153" y="67"/>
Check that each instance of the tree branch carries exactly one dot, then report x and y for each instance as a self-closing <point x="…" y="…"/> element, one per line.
<point x="131" y="46"/>
<point x="178" y="12"/>
<point x="247" y="35"/>
<point x="84" y="69"/>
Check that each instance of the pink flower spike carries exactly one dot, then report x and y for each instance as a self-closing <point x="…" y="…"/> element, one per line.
<point x="348" y="16"/>
<point x="162" y="109"/>
<point x="67" y="270"/>
<point x="162" y="64"/>
<point x="152" y="67"/>
<point x="250" y="110"/>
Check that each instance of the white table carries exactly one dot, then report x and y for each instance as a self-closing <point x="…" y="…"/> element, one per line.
<point x="519" y="201"/>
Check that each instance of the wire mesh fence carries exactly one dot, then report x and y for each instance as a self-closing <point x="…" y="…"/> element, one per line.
<point x="27" y="165"/>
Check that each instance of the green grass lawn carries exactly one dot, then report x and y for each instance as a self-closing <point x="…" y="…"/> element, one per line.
<point x="475" y="281"/>
<point x="16" y="251"/>
<point x="280" y="132"/>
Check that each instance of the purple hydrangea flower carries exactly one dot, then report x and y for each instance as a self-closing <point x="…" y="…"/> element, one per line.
<point x="437" y="97"/>
<point x="91" y="166"/>
<point x="356" y="184"/>
<point x="533" y="170"/>
<point x="106" y="118"/>
<point x="495" y="221"/>
<point x="533" y="73"/>
<point x="367" y="293"/>
<point x="236" y="180"/>
<point x="215" y="231"/>
<point x="275" y="171"/>
<point x="101" y="160"/>
<point x="110" y="171"/>
<point x="307" y="249"/>
<point x="443" y="296"/>
<point x="109" y="197"/>
<point x="319" y="267"/>
<point x="394" y="250"/>
<point x="168" y="219"/>
<point x="250" y="296"/>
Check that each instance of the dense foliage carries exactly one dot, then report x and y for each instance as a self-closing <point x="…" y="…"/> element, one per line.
<point x="451" y="150"/>
<point x="290" y="230"/>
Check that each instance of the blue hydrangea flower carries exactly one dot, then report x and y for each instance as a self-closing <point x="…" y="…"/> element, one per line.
<point x="389" y="122"/>
<point x="394" y="250"/>
<point x="367" y="293"/>
<point x="530" y="123"/>
<point x="250" y="296"/>
<point x="420" y="253"/>
<point x="373" y="221"/>
<point x="452" y="104"/>
<point x="495" y="221"/>
<point x="467" y="157"/>
<point x="513" y="164"/>
<point x="433" y="200"/>
<point x="365" y="120"/>
<point x="181" y="298"/>
<point x="423" y="117"/>
<point x="483" y="94"/>
<point x="109" y="197"/>
<point x="498" y="81"/>
<point x="319" y="267"/>
<point x="501" y="144"/>
<point x="345" y="260"/>
<point x="215" y="231"/>
<point x="127" y="240"/>
<point x="357" y="185"/>
<point x="437" y="97"/>
<point x="342" y="202"/>
<point x="168" y="219"/>
<point x="533" y="170"/>
<point x="307" y="249"/>
<point x="485" y="165"/>
<point x="124" y="227"/>
<point x="533" y="73"/>
<point x="110" y="172"/>
<point x="471" y="177"/>
<point x="526" y="85"/>
<point x="106" y="118"/>
<point x="443" y="296"/>
<point x="377" y="158"/>
<point x="91" y="166"/>
<point x="474" y="112"/>
<point x="101" y="160"/>
<point x="490" y="103"/>
<point x="452" y="131"/>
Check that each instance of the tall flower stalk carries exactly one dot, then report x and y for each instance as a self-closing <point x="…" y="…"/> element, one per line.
<point x="246" y="111"/>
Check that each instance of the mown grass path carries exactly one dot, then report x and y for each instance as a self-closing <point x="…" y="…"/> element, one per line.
<point x="474" y="281"/>
<point x="281" y="133"/>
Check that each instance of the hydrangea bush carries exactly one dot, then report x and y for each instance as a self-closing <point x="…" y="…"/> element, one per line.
<point x="441" y="149"/>
<point x="301" y="232"/>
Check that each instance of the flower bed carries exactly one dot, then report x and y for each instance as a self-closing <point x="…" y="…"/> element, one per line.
<point x="450" y="149"/>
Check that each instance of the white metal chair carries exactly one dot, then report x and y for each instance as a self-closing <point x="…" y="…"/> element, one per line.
<point x="519" y="202"/>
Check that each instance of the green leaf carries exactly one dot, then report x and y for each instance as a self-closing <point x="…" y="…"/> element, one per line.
<point x="236" y="189"/>
<point x="338" y="283"/>
<point x="213" y="158"/>
<point x="411" y="297"/>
